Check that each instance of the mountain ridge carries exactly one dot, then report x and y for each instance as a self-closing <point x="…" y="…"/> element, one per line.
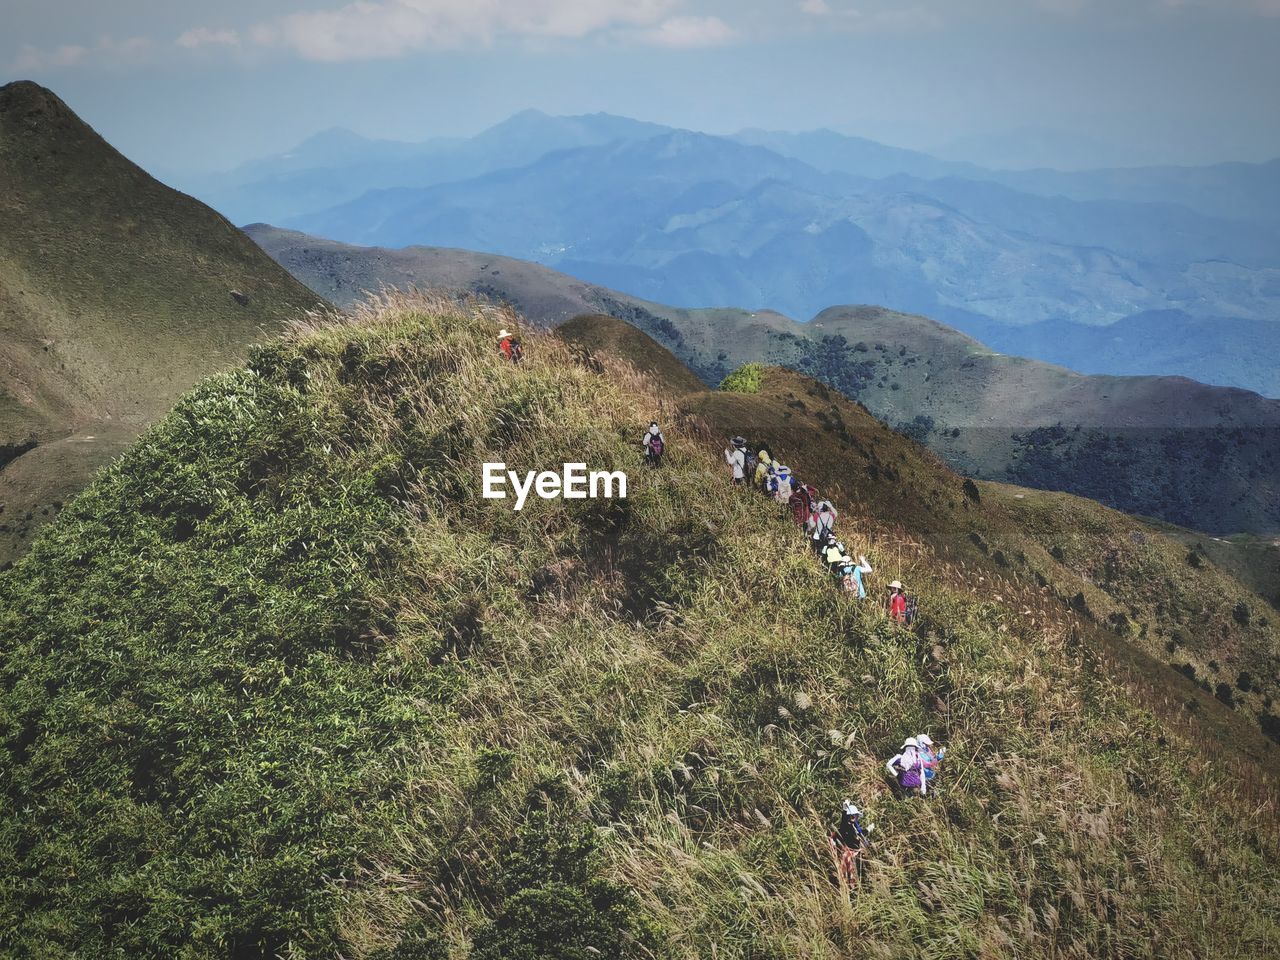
<point x="116" y="295"/>
<point x="1015" y="418"/>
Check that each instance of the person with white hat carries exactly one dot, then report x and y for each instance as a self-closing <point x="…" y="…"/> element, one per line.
<point x="735" y="455"/>
<point x="654" y="444"/>
<point x="849" y="840"/>
<point x="897" y="602"/>
<point x="932" y="758"/>
<point x="509" y="345"/>
<point x="907" y="768"/>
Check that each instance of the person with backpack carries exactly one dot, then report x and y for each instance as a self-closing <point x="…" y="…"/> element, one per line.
<point x="849" y="841"/>
<point x="654" y="445"/>
<point x="780" y="484"/>
<point x="764" y="462"/>
<point x="931" y="758"/>
<point x="801" y="504"/>
<point x="851" y="576"/>
<point x="824" y="522"/>
<point x="736" y="456"/>
<point x="833" y="554"/>
<point x="897" y="602"/>
<point x="907" y="769"/>
<point x="509" y="345"/>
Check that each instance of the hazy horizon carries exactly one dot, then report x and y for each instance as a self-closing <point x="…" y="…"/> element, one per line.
<point x="1064" y="83"/>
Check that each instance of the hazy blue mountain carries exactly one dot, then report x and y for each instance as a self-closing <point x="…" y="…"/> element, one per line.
<point x="1031" y="148"/>
<point x="1233" y="353"/>
<point x="612" y="201"/>
<point x="1232" y="191"/>
<point x="831" y="151"/>
<point x="695" y="220"/>
<point x="337" y="166"/>
<point x="1154" y="232"/>
<point x="1242" y="191"/>
<point x="795" y="222"/>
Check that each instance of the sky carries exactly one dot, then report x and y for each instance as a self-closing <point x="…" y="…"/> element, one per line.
<point x="184" y="86"/>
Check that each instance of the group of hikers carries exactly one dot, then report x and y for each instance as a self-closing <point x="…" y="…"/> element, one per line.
<point x="914" y="767"/>
<point x="814" y="515"/>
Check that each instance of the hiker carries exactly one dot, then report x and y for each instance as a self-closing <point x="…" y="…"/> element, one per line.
<point x="851" y="575"/>
<point x="897" y="602"/>
<point x="780" y="484"/>
<point x="653" y="444"/>
<point x="764" y="462"/>
<point x="824" y="522"/>
<point x="907" y="769"/>
<point x="833" y="554"/>
<point x="509" y="345"/>
<point x="801" y="504"/>
<point x="931" y="758"/>
<point x="735" y="455"/>
<point x="849" y="840"/>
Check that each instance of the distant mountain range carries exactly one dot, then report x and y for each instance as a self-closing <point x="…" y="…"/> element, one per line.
<point x="796" y="222"/>
<point x="116" y="295"/>
<point x="1199" y="456"/>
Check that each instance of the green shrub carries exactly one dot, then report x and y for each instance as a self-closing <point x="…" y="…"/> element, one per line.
<point x="558" y="922"/>
<point x="746" y="379"/>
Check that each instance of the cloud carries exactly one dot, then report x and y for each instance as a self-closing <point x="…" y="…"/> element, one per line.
<point x="385" y="29"/>
<point x="882" y="18"/>
<point x="205" y="37"/>
<point x="690" y="32"/>
<point x="107" y="51"/>
<point x="32" y="59"/>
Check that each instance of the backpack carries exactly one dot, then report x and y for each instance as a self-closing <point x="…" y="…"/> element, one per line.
<point x="909" y="614"/>
<point x="655" y="444"/>
<point x="517" y="351"/>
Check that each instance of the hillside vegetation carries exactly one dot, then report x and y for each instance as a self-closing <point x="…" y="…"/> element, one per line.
<point x="280" y="683"/>
<point x="1203" y="457"/>
<point x="116" y="295"/>
<point x="1139" y="592"/>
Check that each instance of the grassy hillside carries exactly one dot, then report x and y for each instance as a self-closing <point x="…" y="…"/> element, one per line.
<point x="280" y="683"/>
<point x="116" y="295"/>
<point x="1203" y="457"/>
<point x="1254" y="561"/>
<point x="1139" y="593"/>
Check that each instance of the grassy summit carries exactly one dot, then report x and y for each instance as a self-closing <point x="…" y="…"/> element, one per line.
<point x="280" y="683"/>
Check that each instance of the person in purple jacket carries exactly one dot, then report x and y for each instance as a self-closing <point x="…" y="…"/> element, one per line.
<point x="907" y="768"/>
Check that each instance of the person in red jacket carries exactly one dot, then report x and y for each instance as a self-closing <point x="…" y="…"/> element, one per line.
<point x="898" y="602"/>
<point x="509" y="346"/>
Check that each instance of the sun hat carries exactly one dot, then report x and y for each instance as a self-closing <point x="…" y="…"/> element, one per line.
<point x="910" y="742"/>
<point x="851" y="809"/>
<point x="504" y="333"/>
<point x="923" y="738"/>
<point x="896" y="585"/>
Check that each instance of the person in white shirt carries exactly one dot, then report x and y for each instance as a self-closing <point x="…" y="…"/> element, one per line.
<point x="736" y="456"/>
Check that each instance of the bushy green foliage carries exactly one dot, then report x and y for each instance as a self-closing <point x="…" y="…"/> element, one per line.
<point x="746" y="379"/>
<point x="555" y="904"/>
<point x="281" y="683"/>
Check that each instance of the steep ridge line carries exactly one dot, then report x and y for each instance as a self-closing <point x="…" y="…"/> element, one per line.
<point x="1203" y="457"/>
<point x="117" y="294"/>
